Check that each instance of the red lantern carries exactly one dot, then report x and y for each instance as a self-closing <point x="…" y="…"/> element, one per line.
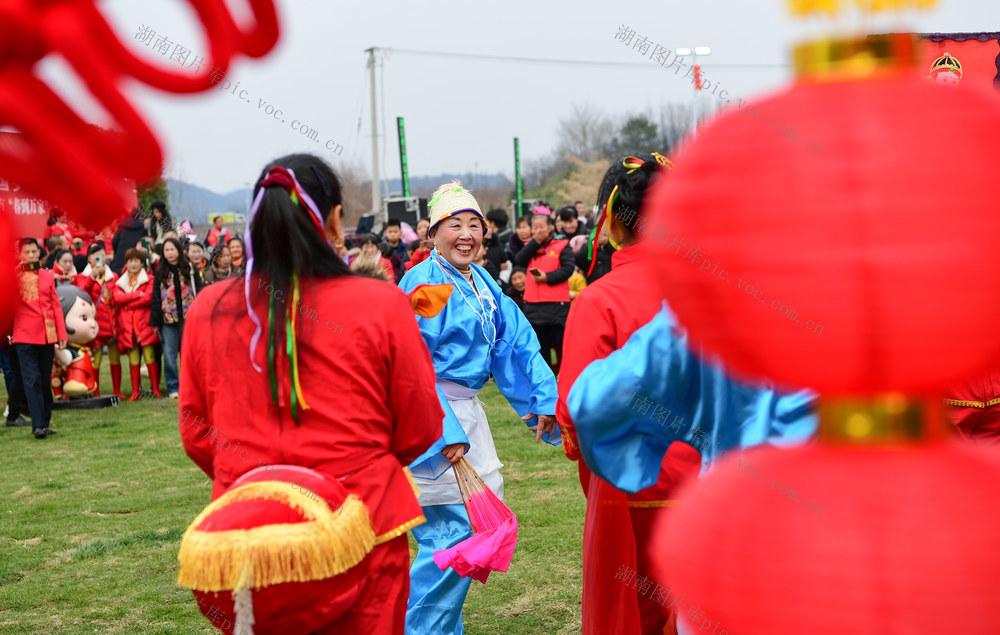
<point x="833" y="540"/>
<point x="697" y="76"/>
<point x="849" y="257"/>
<point x="822" y="238"/>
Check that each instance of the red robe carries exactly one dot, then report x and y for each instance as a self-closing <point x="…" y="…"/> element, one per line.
<point x="364" y="371"/>
<point x="131" y="309"/>
<point x="38" y="316"/>
<point x="974" y="408"/>
<point x="617" y="525"/>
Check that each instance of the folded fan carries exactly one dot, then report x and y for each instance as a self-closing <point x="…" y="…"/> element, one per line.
<point x="492" y="546"/>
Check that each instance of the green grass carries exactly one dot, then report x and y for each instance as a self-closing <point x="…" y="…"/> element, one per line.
<point x="91" y="521"/>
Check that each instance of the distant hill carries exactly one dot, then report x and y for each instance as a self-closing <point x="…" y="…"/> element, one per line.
<point x="199" y="204"/>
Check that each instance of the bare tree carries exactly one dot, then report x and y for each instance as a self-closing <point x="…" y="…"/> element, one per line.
<point x="674" y="123"/>
<point x="584" y="133"/>
<point x="355" y="190"/>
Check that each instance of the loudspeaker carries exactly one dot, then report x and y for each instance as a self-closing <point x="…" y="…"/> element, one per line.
<point x="408" y="209"/>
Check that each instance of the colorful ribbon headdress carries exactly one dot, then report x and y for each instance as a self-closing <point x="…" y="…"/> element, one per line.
<point x="285" y="178"/>
<point x="633" y="164"/>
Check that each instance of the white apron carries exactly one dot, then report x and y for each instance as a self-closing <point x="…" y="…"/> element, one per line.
<point x="482" y="452"/>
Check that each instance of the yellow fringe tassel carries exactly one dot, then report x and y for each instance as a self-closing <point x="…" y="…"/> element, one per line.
<point x="413" y="484"/>
<point x="326" y="545"/>
<point x="833" y="7"/>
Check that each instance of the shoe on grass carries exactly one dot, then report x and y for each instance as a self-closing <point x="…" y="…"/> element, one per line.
<point x="20" y="422"/>
<point x="41" y="433"/>
<point x="174" y="395"/>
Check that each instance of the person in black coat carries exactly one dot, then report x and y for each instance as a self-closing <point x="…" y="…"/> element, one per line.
<point x="175" y="285"/>
<point x="130" y="231"/>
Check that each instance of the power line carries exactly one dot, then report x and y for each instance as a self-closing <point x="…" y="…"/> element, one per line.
<point x="539" y="60"/>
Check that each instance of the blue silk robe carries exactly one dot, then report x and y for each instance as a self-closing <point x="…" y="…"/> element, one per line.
<point x="630" y="406"/>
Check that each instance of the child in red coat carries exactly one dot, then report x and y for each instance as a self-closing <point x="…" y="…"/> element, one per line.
<point x="132" y="297"/>
<point x="98" y="280"/>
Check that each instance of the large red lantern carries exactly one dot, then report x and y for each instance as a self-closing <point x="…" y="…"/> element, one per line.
<point x="818" y="238"/>
<point x="852" y="260"/>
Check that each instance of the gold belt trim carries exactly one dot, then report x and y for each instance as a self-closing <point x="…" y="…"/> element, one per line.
<point x="649" y="504"/>
<point x="972" y="404"/>
<point x="399" y="531"/>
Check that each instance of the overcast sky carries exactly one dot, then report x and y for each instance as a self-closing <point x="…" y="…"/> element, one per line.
<point x="461" y="113"/>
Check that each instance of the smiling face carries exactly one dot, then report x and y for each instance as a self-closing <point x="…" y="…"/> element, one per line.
<point x="422" y="226"/>
<point x="458" y="238"/>
<point x="195" y="253"/>
<point x="517" y="280"/>
<point x="235" y="249"/>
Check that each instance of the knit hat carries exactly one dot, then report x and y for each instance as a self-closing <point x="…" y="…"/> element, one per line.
<point x="450" y="199"/>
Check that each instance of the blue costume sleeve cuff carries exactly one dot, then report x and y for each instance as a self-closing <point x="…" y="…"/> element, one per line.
<point x="623" y="433"/>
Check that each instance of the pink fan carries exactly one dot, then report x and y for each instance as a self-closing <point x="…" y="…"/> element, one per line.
<point x="492" y="546"/>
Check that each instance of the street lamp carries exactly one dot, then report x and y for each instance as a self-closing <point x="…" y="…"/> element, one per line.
<point x="698" y="50"/>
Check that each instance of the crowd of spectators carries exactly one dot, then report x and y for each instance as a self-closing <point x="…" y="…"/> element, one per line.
<point x="143" y="278"/>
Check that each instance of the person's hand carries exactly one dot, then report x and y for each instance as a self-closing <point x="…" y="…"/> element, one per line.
<point x="60" y="345"/>
<point x="504" y="265"/>
<point x="98" y="272"/>
<point x="454" y="452"/>
<point x="545" y="425"/>
<point x="541" y="277"/>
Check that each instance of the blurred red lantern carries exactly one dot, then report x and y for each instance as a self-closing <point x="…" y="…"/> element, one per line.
<point x="8" y="279"/>
<point x="850" y="233"/>
<point x="64" y="159"/>
<point x="850" y="257"/>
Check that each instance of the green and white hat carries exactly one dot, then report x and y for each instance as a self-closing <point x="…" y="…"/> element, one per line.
<point x="450" y="199"/>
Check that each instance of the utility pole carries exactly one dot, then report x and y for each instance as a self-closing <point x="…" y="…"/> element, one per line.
<point x="376" y="191"/>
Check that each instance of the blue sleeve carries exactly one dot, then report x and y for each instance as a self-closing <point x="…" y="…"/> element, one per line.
<point x="518" y="368"/>
<point x="623" y="433"/>
<point x="432" y="464"/>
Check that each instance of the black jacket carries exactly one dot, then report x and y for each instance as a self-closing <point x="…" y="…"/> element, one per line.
<point x="129" y="233"/>
<point x="603" y="265"/>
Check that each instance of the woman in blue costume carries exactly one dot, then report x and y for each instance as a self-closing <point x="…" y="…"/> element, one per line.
<point x="706" y="407"/>
<point x="480" y="332"/>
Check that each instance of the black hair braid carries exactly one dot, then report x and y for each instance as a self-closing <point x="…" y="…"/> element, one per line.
<point x="632" y="187"/>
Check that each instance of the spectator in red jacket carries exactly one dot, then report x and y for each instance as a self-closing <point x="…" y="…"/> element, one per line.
<point x="217" y="233"/>
<point x="370" y="254"/>
<point x="132" y="297"/>
<point x="97" y="279"/>
<point x="38" y="324"/>
<point x="421" y="249"/>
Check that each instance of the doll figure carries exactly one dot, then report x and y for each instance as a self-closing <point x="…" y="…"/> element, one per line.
<point x="73" y="375"/>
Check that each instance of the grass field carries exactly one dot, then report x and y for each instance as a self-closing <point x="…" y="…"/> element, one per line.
<point x="91" y="521"/>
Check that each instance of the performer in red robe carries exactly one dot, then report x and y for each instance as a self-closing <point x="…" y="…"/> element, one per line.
<point x="974" y="408"/>
<point x="618" y="525"/>
<point x="325" y="370"/>
<point x="38" y="324"/>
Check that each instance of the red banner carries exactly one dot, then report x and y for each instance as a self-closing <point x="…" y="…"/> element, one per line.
<point x="28" y="213"/>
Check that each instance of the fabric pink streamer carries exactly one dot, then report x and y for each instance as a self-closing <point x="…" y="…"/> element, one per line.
<point x="492" y="546"/>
